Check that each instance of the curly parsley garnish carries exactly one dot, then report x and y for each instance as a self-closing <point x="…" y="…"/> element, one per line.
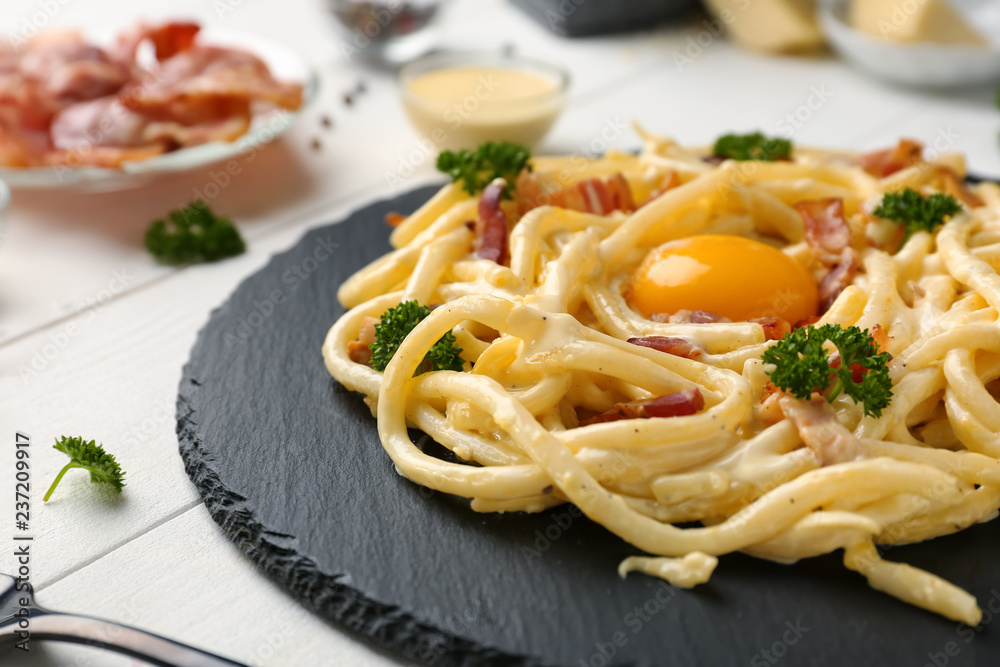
<point x="477" y="169"/>
<point x="193" y="234"/>
<point x="394" y="326"/>
<point x="916" y="212"/>
<point x="752" y="147"/>
<point x="91" y="457"/>
<point x="802" y="365"/>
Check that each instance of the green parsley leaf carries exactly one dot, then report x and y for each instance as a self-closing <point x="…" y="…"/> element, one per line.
<point x="396" y="323"/>
<point x="752" y="147"/>
<point x="91" y="457"/>
<point x="193" y="234"/>
<point x="802" y="366"/>
<point x="476" y="169"/>
<point x="916" y="212"/>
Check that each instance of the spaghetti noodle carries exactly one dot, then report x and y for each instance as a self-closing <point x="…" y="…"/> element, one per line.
<point x="545" y="337"/>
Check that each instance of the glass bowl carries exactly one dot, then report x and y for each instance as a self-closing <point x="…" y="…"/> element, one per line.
<point x="461" y="99"/>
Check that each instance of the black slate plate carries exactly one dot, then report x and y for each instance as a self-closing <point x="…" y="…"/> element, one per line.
<point x="290" y="466"/>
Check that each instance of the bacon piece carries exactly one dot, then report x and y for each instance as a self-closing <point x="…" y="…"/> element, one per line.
<point x="620" y="193"/>
<point x="69" y="69"/>
<point x="172" y="38"/>
<point x="101" y="122"/>
<point x="105" y="133"/>
<point x="669" y="182"/>
<point x="887" y="162"/>
<point x="360" y="350"/>
<point x="806" y="322"/>
<point x="591" y="195"/>
<point x="826" y="227"/>
<point x="840" y="276"/>
<point x="881" y="337"/>
<point x="528" y="192"/>
<point x="679" y="347"/>
<point x="775" y="328"/>
<point x="197" y="95"/>
<point x="955" y="186"/>
<point x="819" y="429"/>
<point x="857" y="370"/>
<point x="677" y="404"/>
<point x="51" y="72"/>
<point x="207" y="83"/>
<point x="174" y="135"/>
<point x="493" y="232"/>
<point x="394" y="219"/>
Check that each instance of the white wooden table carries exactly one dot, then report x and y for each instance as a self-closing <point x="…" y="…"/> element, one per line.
<point x="93" y="333"/>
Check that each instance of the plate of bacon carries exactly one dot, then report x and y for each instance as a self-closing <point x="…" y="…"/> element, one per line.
<point x="106" y="114"/>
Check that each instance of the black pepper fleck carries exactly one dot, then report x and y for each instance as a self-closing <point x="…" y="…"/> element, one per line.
<point x="326" y="121"/>
<point x="316" y="145"/>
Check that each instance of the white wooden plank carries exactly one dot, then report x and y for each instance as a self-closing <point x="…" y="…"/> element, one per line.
<point x="111" y="374"/>
<point x="203" y="593"/>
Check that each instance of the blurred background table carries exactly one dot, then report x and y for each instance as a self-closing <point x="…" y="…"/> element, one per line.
<point x="93" y="334"/>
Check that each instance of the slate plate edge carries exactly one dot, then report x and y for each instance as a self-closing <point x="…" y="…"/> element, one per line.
<point x="385" y="626"/>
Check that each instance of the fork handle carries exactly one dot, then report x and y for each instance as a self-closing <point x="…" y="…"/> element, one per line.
<point x="119" y="638"/>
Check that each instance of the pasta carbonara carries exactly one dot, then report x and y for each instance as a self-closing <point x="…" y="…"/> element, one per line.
<point x="612" y="315"/>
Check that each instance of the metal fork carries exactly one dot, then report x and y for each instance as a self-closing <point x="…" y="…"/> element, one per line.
<point x="46" y="624"/>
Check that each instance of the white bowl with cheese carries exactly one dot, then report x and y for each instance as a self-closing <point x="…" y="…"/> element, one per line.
<point x="918" y="42"/>
<point x="462" y="99"/>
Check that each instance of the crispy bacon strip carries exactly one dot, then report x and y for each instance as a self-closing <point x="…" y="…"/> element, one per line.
<point x="207" y="83"/>
<point x="679" y="347"/>
<point x="360" y="350"/>
<point x="826" y="227"/>
<point x="775" y="328"/>
<point x="493" y="232"/>
<point x="528" y="192"/>
<point x="677" y="404"/>
<point x="857" y="370"/>
<point x="591" y="195"/>
<point x="172" y="38"/>
<point x="881" y="337"/>
<point x="394" y="219"/>
<point x="887" y="162"/>
<point x="840" y="276"/>
<point x="819" y="429"/>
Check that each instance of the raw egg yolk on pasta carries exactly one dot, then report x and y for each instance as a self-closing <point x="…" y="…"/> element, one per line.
<point x="727" y="275"/>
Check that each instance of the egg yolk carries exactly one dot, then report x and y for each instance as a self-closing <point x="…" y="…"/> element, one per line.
<point x="727" y="275"/>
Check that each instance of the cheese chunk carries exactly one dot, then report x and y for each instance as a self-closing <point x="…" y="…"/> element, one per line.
<point x="914" y="21"/>
<point x="770" y="25"/>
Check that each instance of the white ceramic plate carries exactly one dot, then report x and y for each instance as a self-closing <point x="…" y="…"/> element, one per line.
<point x="284" y="65"/>
<point x="920" y="64"/>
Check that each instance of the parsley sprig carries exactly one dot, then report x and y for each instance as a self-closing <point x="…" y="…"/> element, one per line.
<point x="802" y="365"/>
<point x="396" y="323"/>
<point x="91" y="457"/>
<point x="477" y="169"/>
<point x="194" y="233"/>
<point x="916" y="212"/>
<point x="753" y="146"/>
